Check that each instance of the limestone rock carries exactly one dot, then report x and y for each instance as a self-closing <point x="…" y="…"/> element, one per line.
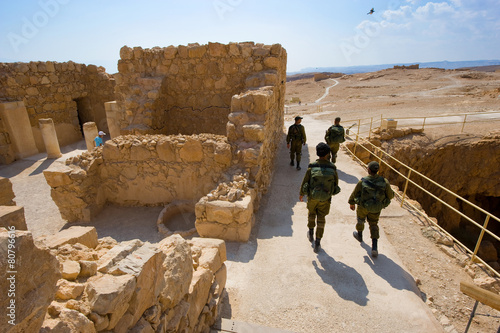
<point x="178" y="266"/>
<point x="84" y="235"/>
<point x="116" y="254"/>
<point x="87" y="268"/>
<point x="33" y="292"/>
<point x="6" y="192"/>
<point x="198" y="293"/>
<point x="70" y="269"/>
<point x="211" y="252"/>
<point x="68" y="290"/>
<point x="12" y="216"/>
<point x="68" y="321"/>
<point x="191" y="151"/>
<point x="107" y="292"/>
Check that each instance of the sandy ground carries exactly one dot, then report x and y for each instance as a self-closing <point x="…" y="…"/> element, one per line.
<point x="276" y="279"/>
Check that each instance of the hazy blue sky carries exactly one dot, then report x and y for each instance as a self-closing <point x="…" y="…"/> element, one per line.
<point x="315" y="33"/>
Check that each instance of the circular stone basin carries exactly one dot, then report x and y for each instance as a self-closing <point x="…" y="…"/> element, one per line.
<point x="177" y="217"/>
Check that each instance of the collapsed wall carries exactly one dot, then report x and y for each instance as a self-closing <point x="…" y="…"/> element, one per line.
<point x="68" y="93"/>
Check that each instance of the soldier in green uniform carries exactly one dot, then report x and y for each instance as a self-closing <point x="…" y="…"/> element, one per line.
<point x="334" y="136"/>
<point x="371" y="194"/>
<point x="295" y="138"/>
<point x="319" y="184"/>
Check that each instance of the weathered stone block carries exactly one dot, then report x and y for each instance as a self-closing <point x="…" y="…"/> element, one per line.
<point x="6" y="192"/>
<point x="254" y="132"/>
<point x="138" y="152"/>
<point x="191" y="151"/>
<point x="198" y="293"/>
<point x="70" y="269"/>
<point x="223" y="153"/>
<point x="178" y="265"/>
<point x="117" y="253"/>
<point x="83" y="235"/>
<point x="12" y="216"/>
<point x="35" y="280"/>
<point x="69" y="290"/>
<point x="107" y="292"/>
<point x="87" y="268"/>
<point x="165" y="151"/>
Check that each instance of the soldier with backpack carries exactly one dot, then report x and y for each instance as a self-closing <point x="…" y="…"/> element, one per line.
<point x="319" y="184"/>
<point x="372" y="194"/>
<point x="334" y="136"/>
<point x="295" y="138"/>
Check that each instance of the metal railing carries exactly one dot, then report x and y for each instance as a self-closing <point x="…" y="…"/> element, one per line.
<point x="379" y="154"/>
<point x="365" y="126"/>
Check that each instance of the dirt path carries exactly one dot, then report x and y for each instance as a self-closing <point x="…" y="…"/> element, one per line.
<point x="276" y="279"/>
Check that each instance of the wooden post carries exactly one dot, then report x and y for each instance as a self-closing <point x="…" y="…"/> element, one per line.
<point x="480" y="239"/>
<point x="370" y="132"/>
<point x="406" y="186"/>
<point x="479" y="294"/>
<point x="465" y="119"/>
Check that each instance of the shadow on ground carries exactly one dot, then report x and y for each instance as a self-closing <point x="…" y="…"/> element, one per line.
<point x="126" y="223"/>
<point x="345" y="280"/>
<point x="390" y="271"/>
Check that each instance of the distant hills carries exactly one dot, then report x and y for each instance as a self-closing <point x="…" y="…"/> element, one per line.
<point x="374" y="68"/>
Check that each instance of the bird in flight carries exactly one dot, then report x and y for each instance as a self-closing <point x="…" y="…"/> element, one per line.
<point x="371" y="11"/>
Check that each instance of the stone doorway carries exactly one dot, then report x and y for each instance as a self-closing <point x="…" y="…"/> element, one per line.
<point x="84" y="111"/>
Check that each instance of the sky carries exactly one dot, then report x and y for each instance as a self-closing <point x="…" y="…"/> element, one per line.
<point x="315" y="33"/>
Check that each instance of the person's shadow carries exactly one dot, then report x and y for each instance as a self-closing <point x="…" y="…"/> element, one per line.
<point x="390" y="271"/>
<point x="345" y="280"/>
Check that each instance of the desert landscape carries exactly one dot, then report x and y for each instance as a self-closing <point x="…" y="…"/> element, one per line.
<point x="235" y="184"/>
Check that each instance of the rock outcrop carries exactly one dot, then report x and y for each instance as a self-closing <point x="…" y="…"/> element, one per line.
<point x="173" y="286"/>
<point x="28" y="276"/>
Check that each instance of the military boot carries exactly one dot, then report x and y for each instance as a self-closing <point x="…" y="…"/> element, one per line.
<point x="298" y="166"/>
<point x="358" y="235"/>
<point x="374" y="247"/>
<point x="291" y="163"/>
<point x="317" y="245"/>
<point x="310" y="235"/>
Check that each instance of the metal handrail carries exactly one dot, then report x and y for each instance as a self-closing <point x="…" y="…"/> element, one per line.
<point x="410" y="170"/>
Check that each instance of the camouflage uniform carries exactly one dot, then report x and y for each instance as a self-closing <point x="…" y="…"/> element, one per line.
<point x="334" y="146"/>
<point x="296" y="137"/>
<point x="318" y="209"/>
<point x="362" y="213"/>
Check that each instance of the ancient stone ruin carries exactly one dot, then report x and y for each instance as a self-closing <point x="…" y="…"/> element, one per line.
<point x="199" y="123"/>
<point x="70" y="94"/>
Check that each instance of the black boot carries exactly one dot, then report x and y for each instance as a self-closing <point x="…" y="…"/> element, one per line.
<point x="358" y="235"/>
<point x="310" y="235"/>
<point x="374" y="247"/>
<point x="317" y="245"/>
<point x="291" y="163"/>
<point x="298" y="166"/>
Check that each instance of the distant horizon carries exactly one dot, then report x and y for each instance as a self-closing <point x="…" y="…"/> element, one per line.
<point x="312" y="69"/>
<point x="315" y="34"/>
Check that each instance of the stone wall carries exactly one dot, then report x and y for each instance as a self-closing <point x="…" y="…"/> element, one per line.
<point x="147" y="170"/>
<point x="188" y="89"/>
<point x="69" y="93"/>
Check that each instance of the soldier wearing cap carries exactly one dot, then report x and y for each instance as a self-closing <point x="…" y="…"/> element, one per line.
<point x="319" y="184"/>
<point x="295" y="139"/>
<point x="371" y="194"/>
